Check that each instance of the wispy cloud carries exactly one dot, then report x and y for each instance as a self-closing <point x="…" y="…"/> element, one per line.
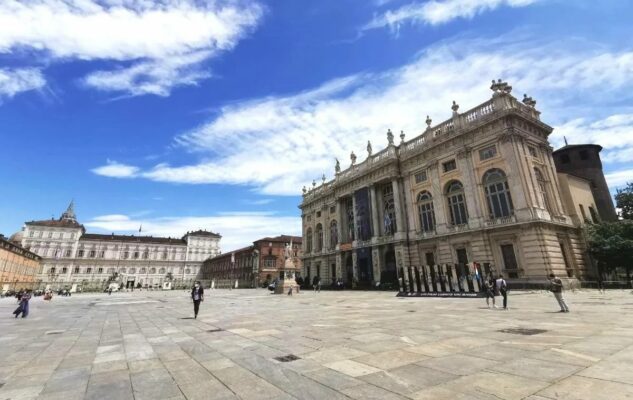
<point x="279" y="143"/>
<point x="14" y="81"/>
<point x="114" y="169"/>
<point x="237" y="229"/>
<point x="436" y="12"/>
<point x="155" y="45"/>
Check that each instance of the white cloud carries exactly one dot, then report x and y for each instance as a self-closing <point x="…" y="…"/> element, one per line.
<point x="279" y="143"/>
<point x="619" y="178"/>
<point x="14" y="81"/>
<point x="114" y="169"/>
<point x="238" y="229"/>
<point x="436" y="12"/>
<point x="161" y="39"/>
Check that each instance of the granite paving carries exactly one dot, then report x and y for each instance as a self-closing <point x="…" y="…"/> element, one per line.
<point x="250" y="344"/>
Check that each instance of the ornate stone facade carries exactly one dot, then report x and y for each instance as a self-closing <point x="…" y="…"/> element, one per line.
<point x="479" y="187"/>
<point x="72" y="256"/>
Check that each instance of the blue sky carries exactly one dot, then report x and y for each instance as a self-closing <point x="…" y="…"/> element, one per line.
<point x="190" y="114"/>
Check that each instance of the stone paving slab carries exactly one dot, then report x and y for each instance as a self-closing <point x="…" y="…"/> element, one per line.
<point x="344" y="345"/>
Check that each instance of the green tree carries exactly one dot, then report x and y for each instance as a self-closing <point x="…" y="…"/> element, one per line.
<point x="611" y="244"/>
<point x="624" y="201"/>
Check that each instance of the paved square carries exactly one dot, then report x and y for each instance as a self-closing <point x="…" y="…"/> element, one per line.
<point x="348" y="345"/>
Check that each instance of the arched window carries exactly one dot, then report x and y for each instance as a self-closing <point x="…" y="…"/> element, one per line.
<point x="161" y="271"/>
<point x="309" y="240"/>
<point x="319" y="237"/>
<point x="542" y="187"/>
<point x="333" y="234"/>
<point x="456" y="203"/>
<point x="389" y="210"/>
<point x="152" y="270"/>
<point x="498" y="194"/>
<point x="425" y="212"/>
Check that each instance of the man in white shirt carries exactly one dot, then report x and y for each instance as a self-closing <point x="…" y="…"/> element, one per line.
<point x="502" y="288"/>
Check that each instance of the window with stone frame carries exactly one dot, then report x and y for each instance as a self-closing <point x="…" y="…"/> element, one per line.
<point x="497" y="194"/>
<point x="532" y="151"/>
<point x="319" y="237"/>
<point x="426" y="213"/>
<point x="349" y="213"/>
<point x="333" y="234"/>
<point x="487" y="153"/>
<point x="67" y="253"/>
<point x="449" y="166"/>
<point x="543" y="186"/>
<point x="421" y="176"/>
<point x="80" y="253"/>
<point x="457" y="210"/>
<point x="388" y="210"/>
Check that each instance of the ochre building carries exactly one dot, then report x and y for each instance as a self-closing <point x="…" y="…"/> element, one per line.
<point x="480" y="187"/>
<point x="18" y="266"/>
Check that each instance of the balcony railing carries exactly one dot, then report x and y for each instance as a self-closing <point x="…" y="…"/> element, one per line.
<point x="510" y="219"/>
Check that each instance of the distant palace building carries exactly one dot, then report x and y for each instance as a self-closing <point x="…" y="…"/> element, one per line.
<point x="254" y="265"/>
<point x="480" y="187"/>
<point x="72" y="256"/>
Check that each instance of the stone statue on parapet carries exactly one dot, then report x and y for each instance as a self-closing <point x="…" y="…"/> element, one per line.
<point x="369" y="149"/>
<point x="389" y="137"/>
<point x="337" y="166"/>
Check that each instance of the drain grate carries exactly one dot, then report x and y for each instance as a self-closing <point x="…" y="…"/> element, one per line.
<point x="215" y="330"/>
<point x="523" y="331"/>
<point x="1" y="385"/>
<point x="288" y="358"/>
<point x="54" y="332"/>
<point x="410" y="310"/>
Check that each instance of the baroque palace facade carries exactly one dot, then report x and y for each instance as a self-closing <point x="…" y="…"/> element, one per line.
<point x="72" y="256"/>
<point x="480" y="187"/>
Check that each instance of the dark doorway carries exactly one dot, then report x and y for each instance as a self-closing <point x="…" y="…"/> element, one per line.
<point x="365" y="270"/>
<point x="349" y="268"/>
<point x="509" y="260"/>
<point x="430" y="258"/>
<point x="570" y="271"/>
<point x="389" y="275"/>
<point x="130" y="284"/>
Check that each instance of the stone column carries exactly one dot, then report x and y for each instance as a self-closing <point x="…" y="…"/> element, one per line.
<point x="340" y="204"/>
<point x="375" y="222"/>
<point x="398" y="206"/>
<point x="439" y="201"/>
<point x="339" y="265"/>
<point x="376" y="263"/>
<point x="354" y="266"/>
<point x="355" y="218"/>
<point x="471" y="189"/>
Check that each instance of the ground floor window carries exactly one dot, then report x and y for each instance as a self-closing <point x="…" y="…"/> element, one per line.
<point x="509" y="260"/>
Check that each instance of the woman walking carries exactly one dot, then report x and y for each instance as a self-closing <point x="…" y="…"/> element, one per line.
<point x="23" y="308"/>
<point x="489" y="288"/>
<point x="197" y="295"/>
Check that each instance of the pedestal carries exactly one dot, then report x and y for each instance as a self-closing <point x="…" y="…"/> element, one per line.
<point x="283" y="286"/>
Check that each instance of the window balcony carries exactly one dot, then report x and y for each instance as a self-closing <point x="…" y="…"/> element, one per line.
<point x="510" y="219"/>
<point x="457" y="228"/>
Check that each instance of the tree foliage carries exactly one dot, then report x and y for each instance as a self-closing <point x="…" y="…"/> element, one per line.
<point x="624" y="201"/>
<point x="611" y="243"/>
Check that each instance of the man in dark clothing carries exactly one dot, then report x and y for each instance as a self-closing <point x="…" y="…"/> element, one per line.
<point x="556" y="287"/>
<point x="197" y="295"/>
<point x="23" y="308"/>
<point x="502" y="288"/>
<point x="316" y="283"/>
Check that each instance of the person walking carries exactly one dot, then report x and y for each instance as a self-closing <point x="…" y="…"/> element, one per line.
<point x="23" y="308"/>
<point x="489" y="288"/>
<point x="316" y="283"/>
<point x="197" y="295"/>
<point x="502" y="288"/>
<point x="556" y="287"/>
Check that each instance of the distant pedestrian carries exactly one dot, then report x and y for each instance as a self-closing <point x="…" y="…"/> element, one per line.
<point x="556" y="287"/>
<point x="502" y="288"/>
<point x="197" y="295"/>
<point x="23" y="308"/>
<point x="489" y="289"/>
<point x="316" y="283"/>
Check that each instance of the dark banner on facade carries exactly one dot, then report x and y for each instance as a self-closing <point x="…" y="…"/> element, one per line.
<point x="363" y="219"/>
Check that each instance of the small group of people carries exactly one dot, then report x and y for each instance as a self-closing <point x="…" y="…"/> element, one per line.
<point x="495" y="287"/>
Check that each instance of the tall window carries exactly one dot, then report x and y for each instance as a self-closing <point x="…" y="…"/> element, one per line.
<point x="498" y="194"/>
<point x="349" y="212"/>
<point x="319" y="237"/>
<point x="309" y="240"/>
<point x="425" y="212"/>
<point x="456" y="203"/>
<point x="542" y="187"/>
<point x="333" y="234"/>
<point x="389" y="210"/>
